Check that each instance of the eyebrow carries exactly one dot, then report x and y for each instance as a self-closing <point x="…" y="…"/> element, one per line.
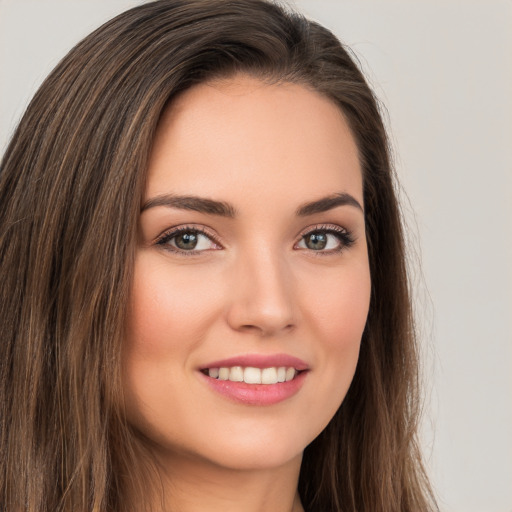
<point x="224" y="209"/>
<point x="328" y="203"/>
<point x="195" y="203"/>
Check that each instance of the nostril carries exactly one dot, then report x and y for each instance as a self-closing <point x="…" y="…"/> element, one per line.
<point x="265" y="329"/>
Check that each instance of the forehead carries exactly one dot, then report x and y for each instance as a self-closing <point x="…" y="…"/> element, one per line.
<point x="235" y="136"/>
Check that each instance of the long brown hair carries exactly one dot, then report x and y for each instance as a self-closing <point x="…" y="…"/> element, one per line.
<point x="71" y="183"/>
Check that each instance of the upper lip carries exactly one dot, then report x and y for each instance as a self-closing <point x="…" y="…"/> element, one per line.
<point x="259" y="361"/>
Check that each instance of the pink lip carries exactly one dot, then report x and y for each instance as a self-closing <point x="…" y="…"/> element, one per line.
<point x="257" y="394"/>
<point x="260" y="361"/>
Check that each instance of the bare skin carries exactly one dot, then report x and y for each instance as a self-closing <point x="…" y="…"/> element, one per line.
<point x="231" y="491"/>
<point x="252" y="245"/>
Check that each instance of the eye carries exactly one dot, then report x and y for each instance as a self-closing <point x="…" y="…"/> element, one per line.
<point x="187" y="240"/>
<point x="332" y="239"/>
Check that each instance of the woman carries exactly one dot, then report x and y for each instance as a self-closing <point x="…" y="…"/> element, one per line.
<point x="204" y="296"/>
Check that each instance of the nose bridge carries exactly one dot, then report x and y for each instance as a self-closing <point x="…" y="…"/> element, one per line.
<point x="263" y="298"/>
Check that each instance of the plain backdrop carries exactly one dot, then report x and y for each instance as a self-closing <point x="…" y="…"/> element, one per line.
<point x="443" y="69"/>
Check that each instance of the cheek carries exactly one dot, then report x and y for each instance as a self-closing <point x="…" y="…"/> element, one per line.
<point x="337" y="312"/>
<point x="338" y="305"/>
<point x="170" y="312"/>
<point x="169" y="309"/>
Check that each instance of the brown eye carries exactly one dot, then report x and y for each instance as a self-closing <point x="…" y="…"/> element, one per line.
<point x="186" y="241"/>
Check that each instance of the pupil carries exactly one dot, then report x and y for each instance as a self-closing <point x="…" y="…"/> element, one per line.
<point x="186" y="241"/>
<point x="316" y="241"/>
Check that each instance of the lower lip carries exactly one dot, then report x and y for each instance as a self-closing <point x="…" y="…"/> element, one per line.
<point x="256" y="394"/>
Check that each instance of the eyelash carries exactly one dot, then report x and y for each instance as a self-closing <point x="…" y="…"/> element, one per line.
<point x="344" y="236"/>
<point x="166" y="237"/>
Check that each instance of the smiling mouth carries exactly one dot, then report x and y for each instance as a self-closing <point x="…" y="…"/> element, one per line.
<point x="251" y="375"/>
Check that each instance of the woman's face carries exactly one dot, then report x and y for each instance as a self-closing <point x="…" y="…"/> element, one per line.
<point x="251" y="267"/>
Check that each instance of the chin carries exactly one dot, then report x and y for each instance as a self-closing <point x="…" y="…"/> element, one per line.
<point x="246" y="450"/>
<point x="255" y="457"/>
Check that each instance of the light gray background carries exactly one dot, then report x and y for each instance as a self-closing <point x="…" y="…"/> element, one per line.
<point x="444" y="71"/>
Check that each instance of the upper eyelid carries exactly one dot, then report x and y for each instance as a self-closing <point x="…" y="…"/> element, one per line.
<point x="164" y="238"/>
<point x="170" y="232"/>
<point x="323" y="227"/>
<point x="204" y="230"/>
<point x="346" y="236"/>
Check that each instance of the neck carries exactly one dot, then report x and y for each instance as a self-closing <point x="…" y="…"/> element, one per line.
<point x="190" y="485"/>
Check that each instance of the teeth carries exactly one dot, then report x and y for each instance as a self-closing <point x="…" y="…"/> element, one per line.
<point x="236" y="374"/>
<point x="269" y="376"/>
<point x="251" y="375"/>
<point x="290" y="374"/>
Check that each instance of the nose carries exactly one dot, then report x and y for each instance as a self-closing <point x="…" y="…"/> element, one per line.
<point x="262" y="296"/>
